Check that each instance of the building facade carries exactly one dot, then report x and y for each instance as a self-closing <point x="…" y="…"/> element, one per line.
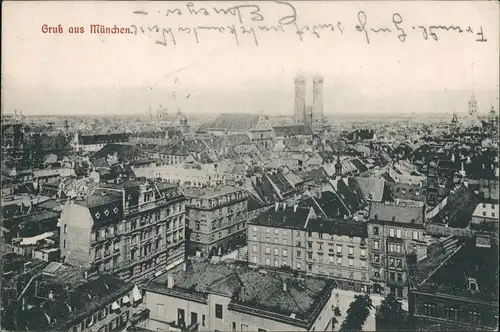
<point x="217" y="219"/>
<point x="292" y="238"/>
<point x="394" y="230"/>
<point x="237" y="298"/>
<point x="131" y="230"/>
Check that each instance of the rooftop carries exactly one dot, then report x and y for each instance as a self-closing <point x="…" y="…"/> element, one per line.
<point x="456" y="270"/>
<point x="234" y="121"/>
<point x="401" y="213"/>
<point x="260" y="291"/>
<point x="283" y="216"/>
<point x="211" y="192"/>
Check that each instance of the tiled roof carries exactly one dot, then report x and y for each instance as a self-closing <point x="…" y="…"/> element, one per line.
<point x="280" y="182"/>
<point x="338" y="227"/>
<point x="125" y="152"/>
<point x="102" y="139"/>
<point x="370" y="188"/>
<point x="285" y="217"/>
<point x="234" y="121"/>
<point x="238" y="139"/>
<point x="295" y="130"/>
<point x="251" y="288"/>
<point x="328" y="206"/>
<point x="459" y="208"/>
<point x="400" y="213"/>
<point x="470" y="261"/>
<point x="359" y="165"/>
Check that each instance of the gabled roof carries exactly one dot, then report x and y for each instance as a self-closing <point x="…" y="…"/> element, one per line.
<point x="234" y="121"/>
<point x="294" y="130"/>
<point x="370" y="188"/>
<point x="102" y="139"/>
<point x="283" y="216"/>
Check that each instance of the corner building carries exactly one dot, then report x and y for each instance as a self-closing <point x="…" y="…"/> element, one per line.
<point x="132" y="230"/>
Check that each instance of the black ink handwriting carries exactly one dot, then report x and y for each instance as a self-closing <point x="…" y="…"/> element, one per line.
<point x="397" y="20"/>
<point x="289" y="19"/>
<point x="361" y="27"/>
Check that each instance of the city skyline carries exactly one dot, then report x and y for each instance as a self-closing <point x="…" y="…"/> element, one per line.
<point x="95" y="74"/>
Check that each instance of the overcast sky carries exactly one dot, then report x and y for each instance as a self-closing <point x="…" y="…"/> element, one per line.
<point x="95" y="74"/>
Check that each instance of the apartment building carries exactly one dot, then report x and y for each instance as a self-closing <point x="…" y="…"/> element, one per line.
<point x="217" y="219"/>
<point x="294" y="238"/>
<point x="131" y="230"/>
<point x="205" y="296"/>
<point x="394" y="230"/>
<point x="456" y="288"/>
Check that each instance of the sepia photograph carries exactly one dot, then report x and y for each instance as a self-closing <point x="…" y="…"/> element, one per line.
<point x="249" y="166"/>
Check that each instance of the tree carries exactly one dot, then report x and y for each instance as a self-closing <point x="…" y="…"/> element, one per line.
<point x="357" y="313"/>
<point x="391" y="313"/>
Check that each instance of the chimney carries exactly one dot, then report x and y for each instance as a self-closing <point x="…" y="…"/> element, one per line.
<point x="276" y="206"/>
<point x="170" y="282"/>
<point x="285" y="286"/>
<point x="295" y="207"/>
<point x="284" y="206"/>
<point x="51" y="295"/>
<point x="85" y="275"/>
<point x="184" y="266"/>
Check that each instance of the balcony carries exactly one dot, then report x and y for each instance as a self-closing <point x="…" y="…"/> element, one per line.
<point x="139" y="317"/>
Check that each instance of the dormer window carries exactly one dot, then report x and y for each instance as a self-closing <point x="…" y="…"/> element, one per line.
<point x="97" y="215"/>
<point x="473" y="286"/>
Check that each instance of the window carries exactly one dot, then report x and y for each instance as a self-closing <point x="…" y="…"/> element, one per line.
<point x="392" y="276"/>
<point x="254" y="249"/>
<point x="309" y="267"/>
<point x="254" y="229"/>
<point x="284" y="242"/>
<point x="376" y="258"/>
<point x="475" y="317"/>
<point x="451" y="313"/>
<point x="398" y="248"/>
<point x="276" y="241"/>
<point x="254" y="259"/>
<point x="234" y="326"/>
<point x="376" y="244"/>
<point x="268" y="250"/>
<point x="160" y="310"/>
<point x="268" y="261"/>
<point x="399" y="277"/>
<point x="339" y="248"/>
<point x="430" y="309"/>
<point x="309" y="255"/>
<point x="391" y="262"/>
<point x="391" y="247"/>
<point x="376" y="273"/>
<point x="268" y="239"/>
<point x="351" y="250"/>
<point x="65" y="229"/>
<point x="309" y="245"/>
<point x="276" y="251"/>
<point x="320" y="246"/>
<point x="298" y="244"/>
<point x="268" y="231"/>
<point x="298" y="253"/>
<point x="363" y="253"/>
<point x="298" y="266"/>
<point x="285" y="253"/>
<point x="339" y="260"/>
<point x="398" y="233"/>
<point x="399" y="263"/>
<point x="351" y="262"/>
<point x="202" y="320"/>
<point x="218" y="311"/>
<point x="415" y="235"/>
<point x="391" y="232"/>
<point x="64" y="244"/>
<point x="363" y="263"/>
<point x="375" y="230"/>
<point x="276" y="263"/>
<point x="331" y="259"/>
